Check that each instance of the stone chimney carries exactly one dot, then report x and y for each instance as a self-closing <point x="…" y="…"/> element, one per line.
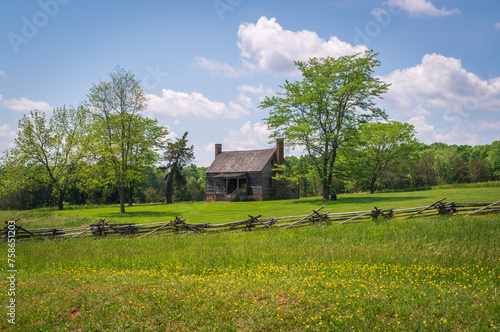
<point x="218" y="149"/>
<point x="280" y="151"/>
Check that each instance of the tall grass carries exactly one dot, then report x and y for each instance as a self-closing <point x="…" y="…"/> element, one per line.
<point x="437" y="274"/>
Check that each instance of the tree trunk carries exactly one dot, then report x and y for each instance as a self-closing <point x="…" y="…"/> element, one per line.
<point x="372" y="185"/>
<point x="121" y="194"/>
<point x="60" y="200"/>
<point x="170" y="187"/>
<point x="326" y="191"/>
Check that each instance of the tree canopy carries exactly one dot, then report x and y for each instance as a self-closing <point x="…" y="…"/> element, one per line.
<point x="177" y="155"/>
<point x="324" y="110"/>
<point x="49" y="150"/>
<point x="123" y="140"/>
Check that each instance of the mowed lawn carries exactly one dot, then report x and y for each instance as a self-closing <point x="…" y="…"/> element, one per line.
<point x="220" y="212"/>
<point x="433" y="274"/>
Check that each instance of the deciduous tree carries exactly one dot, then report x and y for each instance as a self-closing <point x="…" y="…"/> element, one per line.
<point x="324" y="110"/>
<point x="383" y="146"/>
<point x="123" y="140"/>
<point x="49" y="150"/>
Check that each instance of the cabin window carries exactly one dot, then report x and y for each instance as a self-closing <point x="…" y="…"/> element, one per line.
<point x="270" y="182"/>
<point x="254" y="182"/>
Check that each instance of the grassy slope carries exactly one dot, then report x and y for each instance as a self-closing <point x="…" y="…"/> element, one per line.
<point x="440" y="274"/>
<point x="219" y="212"/>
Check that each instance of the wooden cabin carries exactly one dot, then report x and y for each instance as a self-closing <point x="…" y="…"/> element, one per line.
<point x="246" y="175"/>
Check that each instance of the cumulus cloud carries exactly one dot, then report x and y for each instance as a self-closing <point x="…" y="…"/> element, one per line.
<point x="421" y="8"/>
<point x="442" y="83"/>
<point x="7" y="137"/>
<point x="218" y="68"/>
<point x="2" y="74"/>
<point x="497" y="26"/>
<point x="456" y="132"/>
<point x="180" y="104"/>
<point x="274" y="49"/>
<point x="248" y="137"/>
<point x="489" y="125"/>
<point x="24" y="105"/>
<point x="255" y="90"/>
<point x="444" y="101"/>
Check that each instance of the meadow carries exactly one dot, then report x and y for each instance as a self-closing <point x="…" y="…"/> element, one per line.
<point x="221" y="212"/>
<point x="432" y="274"/>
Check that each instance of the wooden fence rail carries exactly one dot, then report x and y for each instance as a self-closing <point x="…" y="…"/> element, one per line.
<point x="180" y="226"/>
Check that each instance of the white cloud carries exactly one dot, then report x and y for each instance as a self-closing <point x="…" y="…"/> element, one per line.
<point x="24" y="105"/>
<point x="256" y="90"/>
<point x="497" y="26"/>
<point x="180" y="104"/>
<point x="7" y="137"/>
<point x="441" y="83"/>
<point x="275" y="49"/>
<point x="248" y="137"/>
<point x="421" y="8"/>
<point x="218" y="68"/>
<point x="444" y="101"/>
<point x="2" y="74"/>
<point x="203" y="156"/>
<point x="489" y="125"/>
<point x="457" y="132"/>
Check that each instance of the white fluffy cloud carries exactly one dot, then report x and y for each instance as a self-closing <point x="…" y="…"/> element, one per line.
<point x="24" y="105"/>
<point x="255" y="90"/>
<point x="421" y="8"/>
<point x="497" y="26"/>
<point x="2" y="74"/>
<point x="274" y="49"/>
<point x="248" y="137"/>
<point x="442" y="83"/>
<point x="218" y="68"/>
<point x="7" y="137"/>
<point x="444" y="102"/>
<point x="453" y="132"/>
<point x="180" y="104"/>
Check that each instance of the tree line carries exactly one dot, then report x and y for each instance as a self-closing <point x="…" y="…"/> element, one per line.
<point x="421" y="166"/>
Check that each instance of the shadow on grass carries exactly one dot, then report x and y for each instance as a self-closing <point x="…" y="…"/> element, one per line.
<point x="359" y="200"/>
<point x="141" y="215"/>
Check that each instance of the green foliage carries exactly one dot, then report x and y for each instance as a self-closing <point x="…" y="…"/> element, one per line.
<point x="494" y="158"/>
<point x="152" y="195"/>
<point x="177" y="155"/>
<point x="384" y="148"/>
<point x="48" y="150"/>
<point x="123" y="141"/>
<point x="322" y="111"/>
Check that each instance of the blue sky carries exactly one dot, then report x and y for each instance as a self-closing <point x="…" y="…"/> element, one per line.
<point x="206" y="65"/>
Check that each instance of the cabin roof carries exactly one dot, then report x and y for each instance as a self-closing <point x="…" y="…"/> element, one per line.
<point x="241" y="161"/>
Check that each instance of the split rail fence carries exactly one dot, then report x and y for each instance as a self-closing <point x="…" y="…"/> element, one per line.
<point x="180" y="226"/>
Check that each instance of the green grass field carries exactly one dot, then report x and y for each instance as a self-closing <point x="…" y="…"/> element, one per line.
<point x="433" y="274"/>
<point x="220" y="212"/>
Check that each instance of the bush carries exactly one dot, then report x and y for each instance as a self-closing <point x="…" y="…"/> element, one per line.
<point x="152" y="195"/>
